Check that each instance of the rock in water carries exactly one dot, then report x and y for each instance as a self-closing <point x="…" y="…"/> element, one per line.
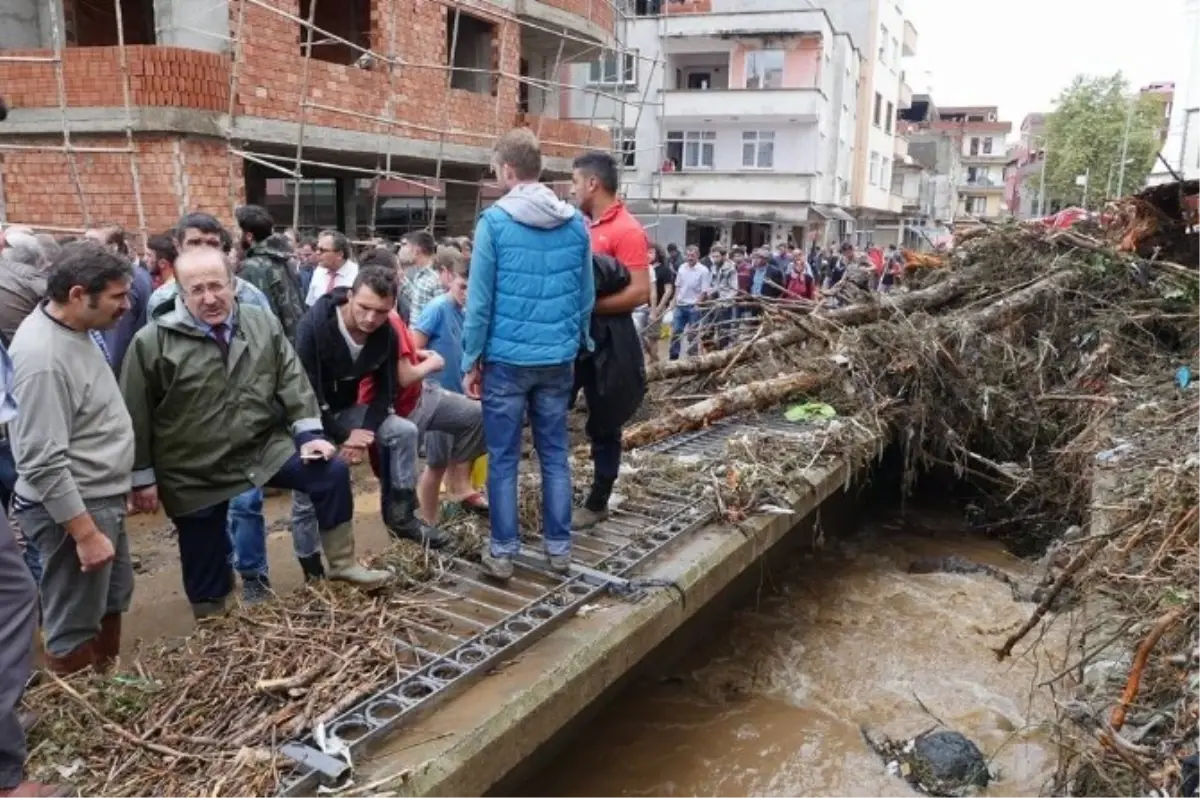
<point x="947" y="763"/>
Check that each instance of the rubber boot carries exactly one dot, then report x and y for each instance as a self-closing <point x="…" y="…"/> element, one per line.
<point x="37" y="789"/>
<point x="403" y="522"/>
<point x="313" y="568"/>
<point x="339" y="550"/>
<point x="108" y="642"/>
<point x="79" y="659"/>
<point x="595" y="508"/>
<point x="213" y="608"/>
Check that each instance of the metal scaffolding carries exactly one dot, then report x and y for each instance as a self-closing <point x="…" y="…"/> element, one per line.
<point x="610" y="105"/>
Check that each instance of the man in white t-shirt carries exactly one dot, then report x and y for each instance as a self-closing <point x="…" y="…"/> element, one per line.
<point x="335" y="268"/>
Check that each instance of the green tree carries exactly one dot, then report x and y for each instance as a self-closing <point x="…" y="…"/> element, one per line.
<point x="1084" y="135"/>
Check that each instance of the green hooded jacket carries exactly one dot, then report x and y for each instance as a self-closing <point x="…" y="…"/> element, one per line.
<point x="205" y="429"/>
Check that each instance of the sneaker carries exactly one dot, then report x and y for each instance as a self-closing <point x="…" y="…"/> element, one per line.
<point x="583" y="518"/>
<point x="255" y="590"/>
<point x="559" y="562"/>
<point x="496" y="567"/>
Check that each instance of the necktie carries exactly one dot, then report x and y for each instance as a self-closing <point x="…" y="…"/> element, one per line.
<point x="220" y="334"/>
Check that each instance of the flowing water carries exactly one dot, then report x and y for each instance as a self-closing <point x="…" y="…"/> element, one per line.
<point x="846" y="637"/>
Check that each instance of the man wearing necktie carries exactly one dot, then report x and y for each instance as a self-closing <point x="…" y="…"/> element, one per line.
<point x="220" y="403"/>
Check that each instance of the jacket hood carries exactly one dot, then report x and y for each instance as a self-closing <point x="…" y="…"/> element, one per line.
<point x="269" y="249"/>
<point x="535" y="205"/>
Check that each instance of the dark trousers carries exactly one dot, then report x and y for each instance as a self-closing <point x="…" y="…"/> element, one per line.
<point x="18" y="622"/>
<point x="605" y="438"/>
<point x="204" y="547"/>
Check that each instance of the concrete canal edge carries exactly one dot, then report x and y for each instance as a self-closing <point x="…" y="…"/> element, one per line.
<point x="497" y="729"/>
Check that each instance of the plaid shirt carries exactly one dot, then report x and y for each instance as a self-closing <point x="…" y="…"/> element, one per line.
<point x="421" y="287"/>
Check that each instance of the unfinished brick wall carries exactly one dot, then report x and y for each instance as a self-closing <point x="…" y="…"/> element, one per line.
<point x="175" y="173"/>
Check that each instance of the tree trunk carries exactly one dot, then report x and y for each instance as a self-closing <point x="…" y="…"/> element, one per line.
<point x="1004" y="311"/>
<point x="752" y="396"/>
<point x="865" y="313"/>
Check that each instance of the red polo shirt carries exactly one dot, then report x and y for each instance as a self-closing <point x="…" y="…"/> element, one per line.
<point x="406" y="397"/>
<point x="617" y="234"/>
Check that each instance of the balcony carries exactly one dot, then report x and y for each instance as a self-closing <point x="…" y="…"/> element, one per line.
<point x="728" y="21"/>
<point x="745" y="105"/>
<point x="906" y="92"/>
<point x="739" y="187"/>
<point x="982" y="186"/>
<point x="901" y="150"/>
<point x="909" y="44"/>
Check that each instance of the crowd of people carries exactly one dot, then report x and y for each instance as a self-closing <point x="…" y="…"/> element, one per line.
<point x="219" y="361"/>
<point x="710" y="300"/>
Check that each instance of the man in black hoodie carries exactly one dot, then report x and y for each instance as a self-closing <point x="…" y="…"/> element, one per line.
<point x="343" y="340"/>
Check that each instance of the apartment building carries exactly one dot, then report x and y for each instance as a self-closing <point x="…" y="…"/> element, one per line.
<point x="1182" y="145"/>
<point x="203" y="105"/>
<point x="736" y="117"/>
<point x="1021" y="192"/>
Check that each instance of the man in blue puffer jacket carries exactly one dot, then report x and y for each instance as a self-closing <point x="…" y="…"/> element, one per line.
<point x="529" y="306"/>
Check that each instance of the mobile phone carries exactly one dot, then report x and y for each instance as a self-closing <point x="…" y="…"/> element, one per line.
<point x="311" y="457"/>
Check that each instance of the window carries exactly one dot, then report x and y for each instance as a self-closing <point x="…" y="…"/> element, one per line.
<point x="883" y="44"/>
<point x="628" y="147"/>
<point x="878" y="108"/>
<point x="873" y="176"/>
<point x="974" y="145"/>
<point x="95" y="24"/>
<point x="468" y="51"/>
<point x="691" y="149"/>
<point x="758" y="149"/>
<point x="887" y="120"/>
<point x="764" y="69"/>
<point x="606" y="71"/>
<point x="987" y="146"/>
<point x="885" y="174"/>
<point x="350" y="21"/>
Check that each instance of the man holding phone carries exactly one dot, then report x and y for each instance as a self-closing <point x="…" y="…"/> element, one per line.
<point x="220" y="402"/>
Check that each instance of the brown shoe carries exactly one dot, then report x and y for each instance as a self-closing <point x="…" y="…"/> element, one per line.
<point x="108" y="642"/>
<point x="35" y="789"/>
<point x="77" y="660"/>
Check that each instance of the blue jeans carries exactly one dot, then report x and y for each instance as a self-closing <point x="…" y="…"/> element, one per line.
<point x="8" y="481"/>
<point x="508" y="391"/>
<point x="247" y="533"/>
<point x="685" y="316"/>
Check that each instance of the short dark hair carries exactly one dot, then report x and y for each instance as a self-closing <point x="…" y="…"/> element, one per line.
<point x="601" y="166"/>
<point x="204" y="222"/>
<point x="673" y="248"/>
<point x="379" y="279"/>
<point x="255" y="220"/>
<point x="340" y="242"/>
<point x="114" y="236"/>
<point x="423" y="240"/>
<point x="380" y="257"/>
<point x="163" y="246"/>
<point x="87" y="264"/>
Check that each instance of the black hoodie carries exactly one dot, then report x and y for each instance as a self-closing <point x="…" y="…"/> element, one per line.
<point x="335" y="377"/>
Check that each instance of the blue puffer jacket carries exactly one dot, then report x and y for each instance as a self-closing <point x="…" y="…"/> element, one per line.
<point x="531" y="289"/>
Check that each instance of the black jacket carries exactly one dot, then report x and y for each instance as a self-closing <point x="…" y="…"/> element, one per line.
<point x="334" y="375"/>
<point x="613" y="375"/>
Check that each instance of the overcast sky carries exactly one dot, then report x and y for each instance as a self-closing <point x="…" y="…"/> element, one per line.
<point x="1019" y="54"/>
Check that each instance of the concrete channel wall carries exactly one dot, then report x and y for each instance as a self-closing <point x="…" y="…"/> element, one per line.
<point x="501" y="729"/>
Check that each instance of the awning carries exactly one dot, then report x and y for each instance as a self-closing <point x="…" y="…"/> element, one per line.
<point x="833" y="213"/>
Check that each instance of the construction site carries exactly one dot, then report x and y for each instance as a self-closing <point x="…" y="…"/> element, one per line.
<point x="1042" y="380"/>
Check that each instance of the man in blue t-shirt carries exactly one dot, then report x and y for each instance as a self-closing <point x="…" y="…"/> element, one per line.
<point x="439" y="327"/>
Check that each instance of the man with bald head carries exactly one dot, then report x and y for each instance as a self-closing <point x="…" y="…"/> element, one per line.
<point x="220" y="403"/>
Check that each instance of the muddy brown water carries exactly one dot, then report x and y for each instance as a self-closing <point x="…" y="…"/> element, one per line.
<point x="845" y="637"/>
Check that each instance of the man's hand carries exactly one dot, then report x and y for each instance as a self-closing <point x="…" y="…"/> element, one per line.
<point x="473" y="383"/>
<point x="359" y="439"/>
<point x="318" y="449"/>
<point x="94" y="550"/>
<point x="353" y="455"/>
<point x="145" y="500"/>
<point x="431" y="360"/>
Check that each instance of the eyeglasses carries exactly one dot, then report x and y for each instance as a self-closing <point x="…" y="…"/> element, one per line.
<point x="326" y="249"/>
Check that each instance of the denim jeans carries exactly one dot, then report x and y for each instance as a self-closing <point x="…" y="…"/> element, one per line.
<point x="8" y="481"/>
<point x="247" y="533"/>
<point x="508" y="391"/>
<point x="685" y="316"/>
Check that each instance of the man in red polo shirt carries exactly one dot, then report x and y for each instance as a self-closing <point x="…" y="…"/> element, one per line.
<point x="616" y="233"/>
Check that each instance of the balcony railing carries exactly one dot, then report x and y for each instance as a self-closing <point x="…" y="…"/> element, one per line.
<point x="746" y="104"/>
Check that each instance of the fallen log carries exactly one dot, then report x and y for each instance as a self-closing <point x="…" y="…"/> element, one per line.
<point x="865" y="313"/>
<point x="753" y="396"/>
<point x="1004" y="311"/>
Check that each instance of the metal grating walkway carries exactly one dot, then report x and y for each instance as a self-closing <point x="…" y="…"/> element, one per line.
<point x="475" y="623"/>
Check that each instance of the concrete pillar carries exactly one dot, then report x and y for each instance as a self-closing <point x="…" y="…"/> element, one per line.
<point x="347" y="203"/>
<point x="20" y="25"/>
<point x="195" y="25"/>
<point x="461" y="201"/>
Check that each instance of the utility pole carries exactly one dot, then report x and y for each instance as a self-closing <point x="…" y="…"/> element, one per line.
<point x="1125" y="147"/>
<point x="1087" y="182"/>
<point x="1042" y="187"/>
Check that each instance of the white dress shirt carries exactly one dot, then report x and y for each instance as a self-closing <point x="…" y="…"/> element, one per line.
<point x="321" y="276"/>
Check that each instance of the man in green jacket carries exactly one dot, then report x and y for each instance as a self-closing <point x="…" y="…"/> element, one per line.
<point x="221" y="403"/>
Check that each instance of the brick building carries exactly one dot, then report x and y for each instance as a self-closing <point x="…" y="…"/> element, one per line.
<point x="190" y="105"/>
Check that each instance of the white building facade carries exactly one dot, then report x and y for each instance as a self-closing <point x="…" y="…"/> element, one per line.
<point x="1182" y="146"/>
<point x="740" y="118"/>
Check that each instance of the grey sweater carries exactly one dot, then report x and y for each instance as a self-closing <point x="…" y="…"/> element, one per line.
<point x="73" y="438"/>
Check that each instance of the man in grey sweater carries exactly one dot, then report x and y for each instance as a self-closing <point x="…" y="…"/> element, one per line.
<point x="74" y="450"/>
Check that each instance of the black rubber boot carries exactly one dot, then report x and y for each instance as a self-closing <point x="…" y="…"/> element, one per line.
<point x="313" y="568"/>
<point x="402" y="521"/>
